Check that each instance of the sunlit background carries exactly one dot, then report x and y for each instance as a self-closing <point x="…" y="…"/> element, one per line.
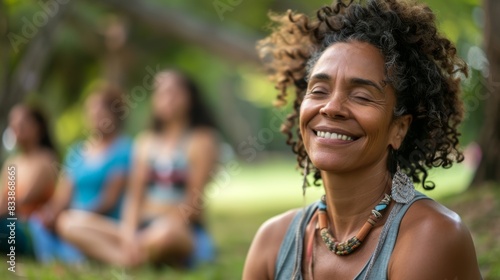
<point x="53" y="52"/>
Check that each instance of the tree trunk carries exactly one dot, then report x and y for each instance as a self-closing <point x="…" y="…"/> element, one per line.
<point x="489" y="141"/>
<point x="26" y="74"/>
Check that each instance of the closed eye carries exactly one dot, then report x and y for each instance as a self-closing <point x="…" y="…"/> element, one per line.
<point x="318" y="90"/>
<point x="361" y="95"/>
<point x="362" y="98"/>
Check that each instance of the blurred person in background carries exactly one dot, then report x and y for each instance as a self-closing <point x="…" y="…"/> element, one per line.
<point x="93" y="176"/>
<point x="28" y="174"/>
<point x="163" y="214"/>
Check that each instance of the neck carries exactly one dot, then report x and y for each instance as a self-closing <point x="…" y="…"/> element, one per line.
<point x="29" y="148"/>
<point x="174" y="129"/>
<point x="98" y="144"/>
<point x="108" y="138"/>
<point x="351" y="197"/>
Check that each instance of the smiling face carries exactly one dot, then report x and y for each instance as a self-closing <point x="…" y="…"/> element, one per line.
<point x="346" y="117"/>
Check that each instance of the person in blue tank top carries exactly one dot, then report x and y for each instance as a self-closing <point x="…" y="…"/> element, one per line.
<point x="163" y="221"/>
<point x="93" y="177"/>
<point x="376" y="105"/>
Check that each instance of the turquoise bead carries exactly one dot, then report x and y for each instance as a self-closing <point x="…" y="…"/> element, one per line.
<point x="322" y="205"/>
<point x="380" y="207"/>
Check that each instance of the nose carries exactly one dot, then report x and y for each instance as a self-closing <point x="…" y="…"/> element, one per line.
<point x="335" y="106"/>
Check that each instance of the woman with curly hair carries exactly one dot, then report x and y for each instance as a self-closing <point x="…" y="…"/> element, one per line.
<point x="376" y="106"/>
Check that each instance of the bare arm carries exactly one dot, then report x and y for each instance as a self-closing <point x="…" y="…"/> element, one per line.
<point x="261" y="258"/>
<point x="59" y="201"/>
<point x="42" y="180"/>
<point x="135" y="189"/>
<point x="433" y="244"/>
<point x="202" y="155"/>
<point x="111" y="194"/>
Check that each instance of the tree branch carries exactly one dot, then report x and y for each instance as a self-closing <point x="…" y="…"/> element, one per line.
<point x="227" y="43"/>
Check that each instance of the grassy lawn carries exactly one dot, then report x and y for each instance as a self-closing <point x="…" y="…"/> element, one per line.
<point x="238" y="202"/>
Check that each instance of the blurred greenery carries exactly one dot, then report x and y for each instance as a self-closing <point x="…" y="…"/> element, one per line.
<point x="81" y="55"/>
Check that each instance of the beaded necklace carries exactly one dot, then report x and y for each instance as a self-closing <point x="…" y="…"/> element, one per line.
<point x="347" y="247"/>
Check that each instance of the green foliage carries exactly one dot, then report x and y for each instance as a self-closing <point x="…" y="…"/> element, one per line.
<point x="479" y="209"/>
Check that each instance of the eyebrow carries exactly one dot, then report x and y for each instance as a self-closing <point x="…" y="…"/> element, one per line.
<point x="355" y="81"/>
<point x="321" y="77"/>
<point x="365" y="82"/>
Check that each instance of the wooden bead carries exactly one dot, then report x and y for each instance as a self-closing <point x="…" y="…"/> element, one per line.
<point x="322" y="220"/>
<point x="363" y="232"/>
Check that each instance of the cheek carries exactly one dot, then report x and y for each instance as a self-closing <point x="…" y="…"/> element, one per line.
<point x="304" y="118"/>
<point x="17" y="132"/>
<point x="14" y="127"/>
<point x="306" y="113"/>
<point x="308" y="110"/>
<point x="377" y="126"/>
<point x="161" y="104"/>
<point x="106" y="118"/>
<point x="91" y="112"/>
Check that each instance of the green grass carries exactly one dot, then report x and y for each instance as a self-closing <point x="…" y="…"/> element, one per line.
<point x="237" y="205"/>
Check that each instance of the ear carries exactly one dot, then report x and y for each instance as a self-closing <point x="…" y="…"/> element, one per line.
<point x="399" y="128"/>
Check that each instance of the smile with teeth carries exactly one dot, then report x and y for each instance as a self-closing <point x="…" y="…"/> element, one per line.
<point x="335" y="136"/>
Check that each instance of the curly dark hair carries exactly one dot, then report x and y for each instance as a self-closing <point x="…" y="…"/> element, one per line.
<point x="420" y="63"/>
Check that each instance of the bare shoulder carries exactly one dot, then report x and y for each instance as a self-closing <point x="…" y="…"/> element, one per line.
<point x="437" y="244"/>
<point x="143" y="137"/>
<point x="263" y="252"/>
<point x="47" y="163"/>
<point x="142" y="142"/>
<point x="203" y="141"/>
<point x="203" y="136"/>
<point x="47" y="156"/>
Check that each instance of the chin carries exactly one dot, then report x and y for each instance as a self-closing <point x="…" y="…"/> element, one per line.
<point x="328" y="163"/>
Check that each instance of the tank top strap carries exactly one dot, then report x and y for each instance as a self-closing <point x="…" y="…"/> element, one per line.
<point x="289" y="260"/>
<point x="376" y="268"/>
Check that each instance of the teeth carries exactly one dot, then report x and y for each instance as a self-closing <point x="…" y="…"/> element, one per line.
<point x="334" y="136"/>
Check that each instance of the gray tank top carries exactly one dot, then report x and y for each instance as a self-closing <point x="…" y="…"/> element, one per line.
<point x="289" y="261"/>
